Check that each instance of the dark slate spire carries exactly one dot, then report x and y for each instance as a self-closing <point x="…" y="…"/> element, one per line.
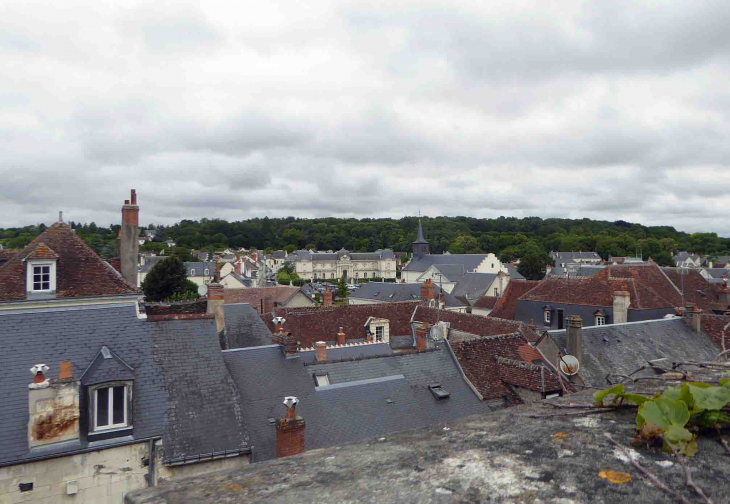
<point x="420" y="246"/>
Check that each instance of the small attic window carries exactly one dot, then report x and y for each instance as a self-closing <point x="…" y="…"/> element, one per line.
<point x="192" y="272"/>
<point x="207" y="271"/>
<point x="438" y="392"/>
<point x="42" y="278"/>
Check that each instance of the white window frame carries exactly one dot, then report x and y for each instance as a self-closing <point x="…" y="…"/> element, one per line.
<point x="192" y="272"/>
<point x="546" y="317"/>
<point x="110" y="398"/>
<point x="379" y="329"/>
<point x="366" y="274"/>
<point x="600" y="320"/>
<point x="207" y="272"/>
<point x="30" y="269"/>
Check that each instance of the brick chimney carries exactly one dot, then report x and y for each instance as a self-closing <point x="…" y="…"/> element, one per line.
<point x="422" y="337"/>
<point x="574" y="337"/>
<point x="321" y="351"/>
<point x="327" y="297"/>
<point x="341" y="337"/>
<point x="724" y="295"/>
<point x="129" y="239"/>
<point x="290" y="430"/>
<point x="284" y="338"/>
<point x="268" y="304"/>
<point x="53" y="406"/>
<point x="427" y="292"/>
<point x="237" y="266"/>
<point x="621" y="302"/>
<point x="216" y="305"/>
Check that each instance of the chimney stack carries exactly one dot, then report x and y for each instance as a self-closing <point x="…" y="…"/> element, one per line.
<point x="724" y="295"/>
<point x="428" y="293"/>
<point x="321" y="351"/>
<point x="290" y="430"/>
<point x="285" y="339"/>
<point x="694" y="318"/>
<point x="421" y="337"/>
<point x="53" y="406"/>
<point x="216" y="305"/>
<point x="129" y="239"/>
<point x="268" y="304"/>
<point x="327" y="297"/>
<point x="574" y="337"/>
<point x="341" y="337"/>
<point x="621" y="303"/>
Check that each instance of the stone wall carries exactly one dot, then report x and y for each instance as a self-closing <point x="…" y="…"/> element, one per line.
<point x="101" y="477"/>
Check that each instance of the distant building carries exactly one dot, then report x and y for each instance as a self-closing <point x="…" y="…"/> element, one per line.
<point x="353" y="265"/>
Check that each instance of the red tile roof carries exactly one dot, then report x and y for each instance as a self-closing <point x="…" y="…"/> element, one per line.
<point x="310" y="325"/>
<point x="697" y="290"/>
<point x="529" y="376"/>
<point x="42" y="251"/>
<point x="80" y="272"/>
<point x="253" y="296"/>
<point x="528" y="353"/>
<point x="648" y="286"/>
<point x="7" y="254"/>
<point x="475" y="324"/>
<point x="506" y="307"/>
<point x="713" y="326"/>
<point x="486" y="302"/>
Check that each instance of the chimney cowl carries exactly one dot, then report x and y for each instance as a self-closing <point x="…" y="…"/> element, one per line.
<point x="39" y="371"/>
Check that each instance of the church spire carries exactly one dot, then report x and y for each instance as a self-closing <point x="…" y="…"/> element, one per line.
<point x="420" y="246"/>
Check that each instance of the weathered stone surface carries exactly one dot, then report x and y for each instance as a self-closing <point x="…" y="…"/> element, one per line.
<point x="507" y="456"/>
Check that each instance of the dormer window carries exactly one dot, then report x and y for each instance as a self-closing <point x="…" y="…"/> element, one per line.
<point x="192" y="272"/>
<point x="546" y="316"/>
<point x="41" y="270"/>
<point x="206" y="272"/>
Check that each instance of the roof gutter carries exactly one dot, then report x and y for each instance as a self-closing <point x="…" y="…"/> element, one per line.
<point x="205" y="457"/>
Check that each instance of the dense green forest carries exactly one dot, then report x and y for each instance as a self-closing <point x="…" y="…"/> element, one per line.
<point x="510" y="238"/>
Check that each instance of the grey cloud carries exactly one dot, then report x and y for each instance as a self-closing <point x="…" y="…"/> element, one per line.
<point x="611" y="110"/>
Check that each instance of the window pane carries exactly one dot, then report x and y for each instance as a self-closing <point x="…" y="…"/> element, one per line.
<point x="118" y="405"/>
<point x="102" y="407"/>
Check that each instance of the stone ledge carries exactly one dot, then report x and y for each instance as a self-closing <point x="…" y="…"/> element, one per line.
<point x="505" y="456"/>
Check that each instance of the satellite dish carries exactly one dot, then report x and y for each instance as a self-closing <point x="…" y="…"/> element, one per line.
<point x="437" y="332"/>
<point x="569" y="365"/>
<point x="202" y="290"/>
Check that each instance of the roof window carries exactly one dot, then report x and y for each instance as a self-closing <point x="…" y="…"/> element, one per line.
<point x="438" y="392"/>
<point x="322" y="380"/>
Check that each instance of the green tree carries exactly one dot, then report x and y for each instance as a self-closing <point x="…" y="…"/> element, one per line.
<point x="283" y="278"/>
<point x="342" y="287"/>
<point x="464" y="244"/>
<point x="663" y="258"/>
<point x="110" y="250"/>
<point x="184" y="254"/>
<point x="166" y="278"/>
<point x="532" y="266"/>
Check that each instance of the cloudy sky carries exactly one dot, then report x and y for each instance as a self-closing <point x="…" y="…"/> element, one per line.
<point x="610" y="110"/>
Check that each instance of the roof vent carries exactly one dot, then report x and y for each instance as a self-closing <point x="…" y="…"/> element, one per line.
<point x="438" y="392"/>
<point x="106" y="353"/>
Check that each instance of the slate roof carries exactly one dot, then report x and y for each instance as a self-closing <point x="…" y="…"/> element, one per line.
<point x="354" y="256"/>
<point x="623" y="348"/>
<point x="177" y="369"/>
<point x="149" y="262"/>
<point x="388" y="292"/>
<point x="423" y="262"/>
<point x="254" y="296"/>
<point x="474" y="285"/>
<point x="80" y="272"/>
<point x="420" y="239"/>
<point x="514" y="274"/>
<point x="370" y="397"/>
<point x="310" y="325"/>
<point x="506" y="307"/>
<point x="244" y="327"/>
<point x="718" y="272"/>
<point x="451" y="272"/>
<point x="279" y="254"/>
<point x="575" y="270"/>
<point x="199" y="268"/>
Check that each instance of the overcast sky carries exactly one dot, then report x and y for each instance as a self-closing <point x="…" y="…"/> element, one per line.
<point x="605" y="109"/>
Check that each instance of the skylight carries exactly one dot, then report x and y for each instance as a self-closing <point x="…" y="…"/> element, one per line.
<point x="438" y="392"/>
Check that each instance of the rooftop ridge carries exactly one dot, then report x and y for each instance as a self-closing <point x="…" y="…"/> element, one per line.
<point x="518" y="364"/>
<point x="370" y="357"/>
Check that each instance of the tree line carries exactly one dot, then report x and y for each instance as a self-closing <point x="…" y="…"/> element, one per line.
<point x="508" y="237"/>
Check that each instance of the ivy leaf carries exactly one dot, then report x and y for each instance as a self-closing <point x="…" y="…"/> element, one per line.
<point x="681" y="439"/>
<point x="680" y="394"/>
<point x="650" y="431"/>
<point x="602" y="394"/>
<point x="663" y="413"/>
<point x="708" y="397"/>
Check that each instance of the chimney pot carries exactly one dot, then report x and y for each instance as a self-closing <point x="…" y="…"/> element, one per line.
<point x="65" y="370"/>
<point x="134" y="197"/>
<point x="216" y="305"/>
<point x="321" y="351"/>
<point x="341" y="337"/>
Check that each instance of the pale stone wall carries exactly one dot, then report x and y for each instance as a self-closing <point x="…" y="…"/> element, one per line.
<point x="299" y="300"/>
<point x="355" y="269"/>
<point x="226" y="268"/>
<point x="164" y="474"/>
<point x="102" y="477"/>
<point x="230" y="282"/>
<point x="481" y="311"/>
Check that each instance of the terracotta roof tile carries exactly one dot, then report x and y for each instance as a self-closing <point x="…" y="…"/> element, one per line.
<point x="475" y="324"/>
<point x="506" y="307"/>
<point x="42" y="251"/>
<point x="528" y="354"/>
<point x="713" y="326"/>
<point x="314" y="324"/>
<point x="80" y="272"/>
<point x="529" y="376"/>
<point x="253" y="296"/>
<point x="487" y="302"/>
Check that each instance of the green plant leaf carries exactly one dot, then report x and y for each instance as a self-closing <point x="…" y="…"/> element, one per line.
<point x="663" y="413"/>
<point x="601" y="395"/>
<point x="680" y="394"/>
<point x="725" y="382"/>
<point x="676" y="433"/>
<point x="635" y="398"/>
<point x="708" y="397"/>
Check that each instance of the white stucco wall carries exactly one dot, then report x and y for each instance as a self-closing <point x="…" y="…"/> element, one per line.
<point x="230" y="282"/>
<point x="299" y="300"/>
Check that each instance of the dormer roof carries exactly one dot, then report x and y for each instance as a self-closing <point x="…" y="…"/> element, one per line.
<point x="80" y="272"/>
<point x="107" y="366"/>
